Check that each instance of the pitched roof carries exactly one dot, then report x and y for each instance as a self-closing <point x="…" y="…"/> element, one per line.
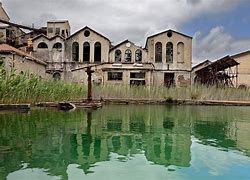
<point x="114" y="47"/>
<point x="202" y="63"/>
<point x="241" y="54"/>
<point x="1" y="6"/>
<point x="42" y="35"/>
<point x="5" y="48"/>
<point x="123" y="42"/>
<point x="166" y="31"/>
<point x="86" y="27"/>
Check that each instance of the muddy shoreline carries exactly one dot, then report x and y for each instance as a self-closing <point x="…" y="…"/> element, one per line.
<point x="99" y="103"/>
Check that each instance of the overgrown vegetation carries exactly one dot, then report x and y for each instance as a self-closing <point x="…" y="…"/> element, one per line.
<point x="173" y="93"/>
<point x="27" y="88"/>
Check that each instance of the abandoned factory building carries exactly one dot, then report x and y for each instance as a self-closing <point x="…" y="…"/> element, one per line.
<point x="165" y="60"/>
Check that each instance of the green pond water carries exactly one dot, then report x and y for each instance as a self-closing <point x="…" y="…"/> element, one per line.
<point x="126" y="143"/>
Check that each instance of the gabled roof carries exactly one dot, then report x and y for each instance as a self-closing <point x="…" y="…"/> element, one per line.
<point x="119" y="44"/>
<point x="241" y="54"/>
<point x="206" y="62"/>
<point x="42" y="35"/>
<point x="123" y="42"/>
<point x="1" y="6"/>
<point x="5" y="48"/>
<point x="169" y="30"/>
<point x="219" y="65"/>
<point x="84" y="28"/>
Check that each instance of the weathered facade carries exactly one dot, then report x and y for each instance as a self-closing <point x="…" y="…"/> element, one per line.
<point x="21" y="62"/>
<point x="165" y="60"/>
<point x="243" y="69"/>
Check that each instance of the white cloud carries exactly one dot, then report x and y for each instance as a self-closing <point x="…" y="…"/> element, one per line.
<point x="216" y="44"/>
<point x="118" y="19"/>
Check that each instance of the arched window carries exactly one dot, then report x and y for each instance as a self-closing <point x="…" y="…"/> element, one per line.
<point x="75" y="51"/>
<point x="86" y="52"/>
<point x="128" y="55"/>
<point x="57" y="46"/>
<point x="138" y="55"/>
<point x="180" y="52"/>
<point x="169" y="52"/>
<point x="118" y="55"/>
<point x="42" y="45"/>
<point x="158" y="52"/>
<point x="57" y="76"/>
<point x="98" y="52"/>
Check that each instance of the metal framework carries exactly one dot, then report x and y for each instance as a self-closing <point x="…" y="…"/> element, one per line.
<point x="221" y="73"/>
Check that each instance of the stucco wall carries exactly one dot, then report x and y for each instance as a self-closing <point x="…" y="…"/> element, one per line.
<point x="131" y="46"/>
<point x="243" y="69"/>
<point x="175" y="39"/>
<point x="21" y="64"/>
<point x="91" y="39"/>
<point x="50" y="54"/>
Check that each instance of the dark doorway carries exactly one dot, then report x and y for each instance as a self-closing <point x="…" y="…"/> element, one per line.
<point x="169" y="79"/>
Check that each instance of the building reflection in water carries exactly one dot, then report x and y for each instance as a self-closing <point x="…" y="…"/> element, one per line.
<point x="52" y="140"/>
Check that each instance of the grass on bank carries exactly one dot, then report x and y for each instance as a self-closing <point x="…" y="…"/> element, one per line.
<point x="181" y="93"/>
<point x="26" y="88"/>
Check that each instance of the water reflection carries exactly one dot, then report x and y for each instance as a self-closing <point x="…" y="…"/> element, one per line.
<point x="54" y="141"/>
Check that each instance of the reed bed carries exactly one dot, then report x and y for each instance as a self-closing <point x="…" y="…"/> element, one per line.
<point x="26" y="88"/>
<point x="201" y="93"/>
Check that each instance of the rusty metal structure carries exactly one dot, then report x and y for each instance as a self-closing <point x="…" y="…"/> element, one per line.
<point x="89" y="72"/>
<point x="221" y="73"/>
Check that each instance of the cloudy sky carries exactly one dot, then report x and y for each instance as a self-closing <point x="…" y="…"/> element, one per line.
<point x="219" y="27"/>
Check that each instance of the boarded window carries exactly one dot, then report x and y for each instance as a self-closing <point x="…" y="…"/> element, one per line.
<point x="98" y="52"/>
<point x="138" y="55"/>
<point x="42" y="45"/>
<point x="75" y="51"/>
<point x="128" y="55"/>
<point x="137" y="75"/>
<point x="158" y="52"/>
<point x="180" y="52"/>
<point x="86" y="52"/>
<point x="118" y="55"/>
<point x="169" y="52"/>
<point x="115" y="76"/>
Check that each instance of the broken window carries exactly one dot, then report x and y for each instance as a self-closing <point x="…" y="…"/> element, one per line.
<point x="57" y="76"/>
<point x="42" y="45"/>
<point x="137" y="82"/>
<point x="115" y="76"/>
<point x="158" y="52"/>
<point x="75" y="51"/>
<point x="128" y="55"/>
<point x="86" y="52"/>
<point x="57" y="46"/>
<point x="63" y="33"/>
<point x="138" y="55"/>
<point x="98" y="52"/>
<point x="57" y="31"/>
<point x="137" y="75"/>
<point x="169" y="52"/>
<point x="180" y="52"/>
<point x="118" y="55"/>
